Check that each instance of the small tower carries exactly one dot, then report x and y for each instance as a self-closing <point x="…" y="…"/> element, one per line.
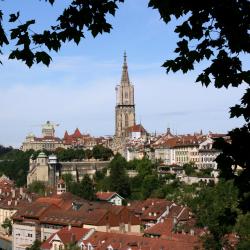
<point x="125" y="106"/>
<point x="48" y="129"/>
<point x="60" y="187"/>
<point x="54" y="170"/>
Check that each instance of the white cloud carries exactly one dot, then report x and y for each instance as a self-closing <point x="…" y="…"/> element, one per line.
<point x="80" y="92"/>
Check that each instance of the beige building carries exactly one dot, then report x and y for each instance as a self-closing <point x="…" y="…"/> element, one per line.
<point x="125" y="106"/>
<point x="38" y="169"/>
<point x="48" y="141"/>
<point x="48" y="169"/>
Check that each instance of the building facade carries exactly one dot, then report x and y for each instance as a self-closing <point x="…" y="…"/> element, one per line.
<point x="48" y="141"/>
<point x="125" y="105"/>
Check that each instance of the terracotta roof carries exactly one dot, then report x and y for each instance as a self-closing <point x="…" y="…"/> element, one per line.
<point x="77" y="133"/>
<point x="162" y="228"/>
<point x="105" y="195"/>
<point x="136" y="128"/>
<point x="101" y="240"/>
<point x="66" y="235"/>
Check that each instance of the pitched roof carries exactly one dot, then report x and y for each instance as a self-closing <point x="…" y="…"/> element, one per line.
<point x="105" y="196"/>
<point x="137" y="128"/>
<point x="66" y="235"/>
<point x="101" y="240"/>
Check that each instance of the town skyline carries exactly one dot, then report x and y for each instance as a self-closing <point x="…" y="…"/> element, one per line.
<point x="78" y="88"/>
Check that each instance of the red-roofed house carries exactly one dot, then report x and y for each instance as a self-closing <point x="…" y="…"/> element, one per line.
<point x="137" y="131"/>
<point x="111" y="197"/>
<point x="66" y="236"/>
<point x="117" y="241"/>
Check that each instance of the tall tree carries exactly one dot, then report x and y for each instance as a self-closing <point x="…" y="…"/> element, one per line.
<point x="216" y="209"/>
<point x="87" y="189"/>
<point x="119" y="181"/>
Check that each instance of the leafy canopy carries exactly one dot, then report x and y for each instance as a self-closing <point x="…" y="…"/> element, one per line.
<point x="80" y="16"/>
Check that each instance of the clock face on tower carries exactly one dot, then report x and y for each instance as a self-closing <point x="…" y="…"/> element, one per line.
<point x="125" y="106"/>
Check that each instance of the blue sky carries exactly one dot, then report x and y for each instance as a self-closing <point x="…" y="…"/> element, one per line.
<point x="78" y="89"/>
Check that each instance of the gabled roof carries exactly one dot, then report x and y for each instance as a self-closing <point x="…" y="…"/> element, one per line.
<point x="66" y="235"/>
<point x="77" y="133"/>
<point x="101" y="241"/>
<point x="106" y="196"/>
<point x="161" y="228"/>
<point x="136" y="128"/>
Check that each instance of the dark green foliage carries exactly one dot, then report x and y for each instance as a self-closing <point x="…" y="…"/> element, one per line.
<point x="84" y="189"/>
<point x="70" y="154"/>
<point x="15" y="165"/>
<point x="216" y="208"/>
<point x="98" y="152"/>
<point x="243" y="230"/>
<point x="149" y="184"/>
<point x="7" y="224"/>
<point x="144" y="167"/>
<point x="119" y="180"/>
<point x="87" y="190"/>
<point x="4" y="150"/>
<point x="68" y="179"/>
<point x="210" y="30"/>
<point x="72" y="246"/>
<point x="35" y="246"/>
<point x="236" y="153"/>
<point x="88" y="154"/>
<point x="75" y="20"/>
<point x="189" y="169"/>
<point x="37" y="187"/>
<point x="102" y="153"/>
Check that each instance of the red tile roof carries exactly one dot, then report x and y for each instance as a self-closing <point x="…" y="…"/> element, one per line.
<point x="100" y="241"/>
<point x="67" y="235"/>
<point x="137" y="128"/>
<point x="105" y="196"/>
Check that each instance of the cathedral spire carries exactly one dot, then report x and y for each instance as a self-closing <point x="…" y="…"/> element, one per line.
<point x="125" y="77"/>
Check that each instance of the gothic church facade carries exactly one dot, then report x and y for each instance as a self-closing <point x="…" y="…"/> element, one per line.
<point x="125" y="105"/>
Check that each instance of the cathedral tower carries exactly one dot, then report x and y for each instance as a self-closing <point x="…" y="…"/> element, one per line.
<point x="125" y="106"/>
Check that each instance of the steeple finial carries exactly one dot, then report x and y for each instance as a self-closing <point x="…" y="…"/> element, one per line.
<point x="125" y="77"/>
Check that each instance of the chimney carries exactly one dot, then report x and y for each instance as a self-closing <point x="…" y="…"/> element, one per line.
<point x="13" y="192"/>
<point x="73" y="238"/>
<point x="69" y="227"/>
<point x="9" y="203"/>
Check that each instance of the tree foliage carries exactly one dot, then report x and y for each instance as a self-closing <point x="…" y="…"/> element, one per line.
<point x="35" y="246"/>
<point x="78" y="17"/>
<point x="216" y="209"/>
<point x="102" y="153"/>
<point x="87" y="190"/>
<point x="84" y="189"/>
<point x="15" y="165"/>
<point x="7" y="224"/>
<point x="37" y="187"/>
<point x="243" y="230"/>
<point x="119" y="180"/>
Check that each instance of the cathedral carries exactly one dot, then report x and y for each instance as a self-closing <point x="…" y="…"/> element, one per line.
<point x="125" y="105"/>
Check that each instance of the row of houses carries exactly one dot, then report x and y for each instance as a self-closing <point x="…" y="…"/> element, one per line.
<point x="50" y="142"/>
<point x="175" y="149"/>
<point x="64" y="218"/>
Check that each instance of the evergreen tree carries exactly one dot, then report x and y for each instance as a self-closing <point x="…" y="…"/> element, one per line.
<point x="119" y="180"/>
<point x="86" y="188"/>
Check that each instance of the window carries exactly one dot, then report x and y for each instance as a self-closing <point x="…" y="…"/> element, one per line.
<point x="30" y="235"/>
<point x="126" y="120"/>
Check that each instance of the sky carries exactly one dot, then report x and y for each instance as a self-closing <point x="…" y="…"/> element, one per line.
<point x="78" y="88"/>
